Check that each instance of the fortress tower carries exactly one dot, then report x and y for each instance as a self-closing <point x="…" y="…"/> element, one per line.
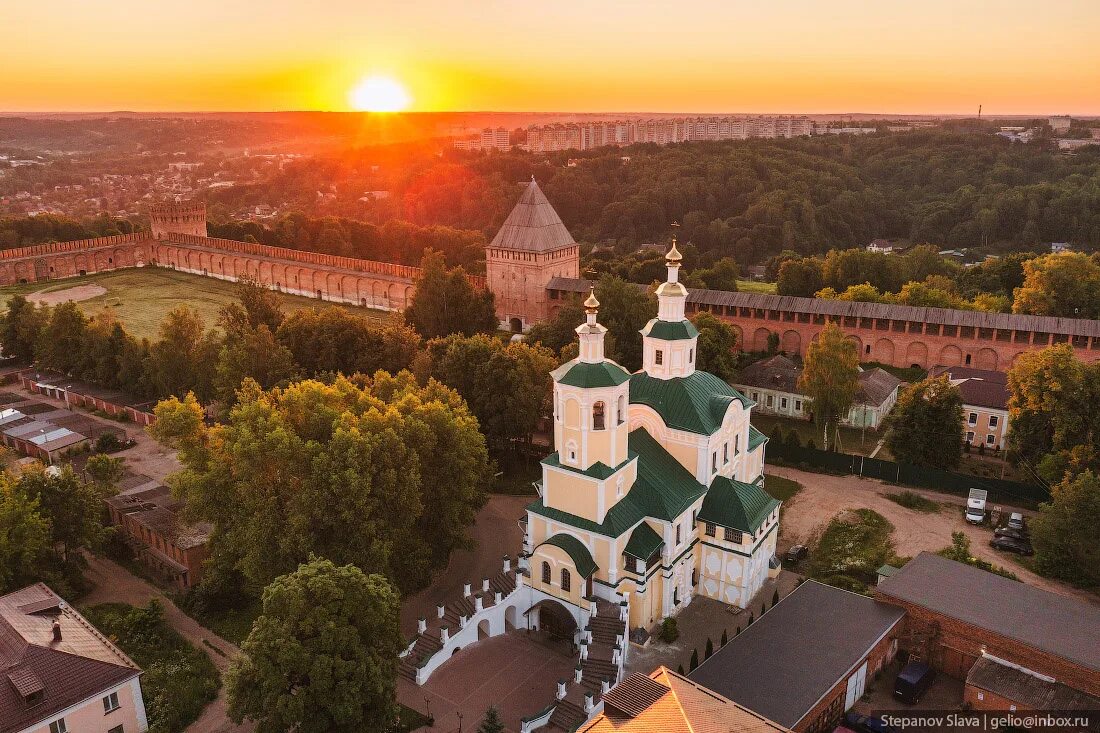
<point x="532" y="247"/>
<point x="181" y="217"/>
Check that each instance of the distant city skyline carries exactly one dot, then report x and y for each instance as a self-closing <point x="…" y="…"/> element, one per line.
<point x="939" y="57"/>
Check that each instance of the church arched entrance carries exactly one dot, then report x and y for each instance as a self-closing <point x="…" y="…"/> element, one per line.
<point x="516" y="325"/>
<point x="555" y="620"/>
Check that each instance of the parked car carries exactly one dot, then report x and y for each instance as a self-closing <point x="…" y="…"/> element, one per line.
<point x="1016" y="521"/>
<point x="796" y="553"/>
<point x="1012" y="544"/>
<point x="1016" y="534"/>
<point x="913" y="681"/>
<point x="866" y="723"/>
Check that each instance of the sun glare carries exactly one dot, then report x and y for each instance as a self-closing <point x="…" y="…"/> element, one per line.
<point x="379" y="94"/>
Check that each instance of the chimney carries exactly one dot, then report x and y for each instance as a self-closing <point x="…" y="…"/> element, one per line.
<point x="56" y="631"/>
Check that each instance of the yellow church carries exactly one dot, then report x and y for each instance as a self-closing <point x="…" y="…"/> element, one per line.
<point x="655" y="490"/>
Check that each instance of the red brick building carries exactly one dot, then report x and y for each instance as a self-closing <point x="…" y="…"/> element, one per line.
<point x="150" y="523"/>
<point x="956" y="615"/>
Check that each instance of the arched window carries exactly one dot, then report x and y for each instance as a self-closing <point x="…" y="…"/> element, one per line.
<point x="565" y="579"/>
<point x="546" y="573"/>
<point x="621" y="410"/>
<point x="691" y="356"/>
<point x="598" y="416"/>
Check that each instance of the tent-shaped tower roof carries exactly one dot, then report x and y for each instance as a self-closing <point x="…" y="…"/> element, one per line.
<point x="533" y="225"/>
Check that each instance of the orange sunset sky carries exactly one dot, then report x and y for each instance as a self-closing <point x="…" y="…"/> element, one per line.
<point x="912" y="57"/>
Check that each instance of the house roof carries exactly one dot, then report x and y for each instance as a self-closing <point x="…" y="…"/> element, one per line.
<point x="736" y="505"/>
<point x="670" y="703"/>
<point x="782" y="665"/>
<point x="1047" y="621"/>
<point x="978" y="387"/>
<point x="662" y="490"/>
<point x="1025" y="688"/>
<point x="670" y="330"/>
<point x="79" y="667"/>
<point x="587" y="375"/>
<point x="844" y="308"/>
<point x="875" y="386"/>
<point x="578" y="553"/>
<point x="776" y="372"/>
<point x="533" y="225"/>
<point x="643" y="542"/>
<point x="696" y="403"/>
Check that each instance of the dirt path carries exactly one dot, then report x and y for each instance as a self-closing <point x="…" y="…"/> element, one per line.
<point x="114" y="584"/>
<point x="824" y="495"/>
<point x="75" y="293"/>
<point x="496" y="534"/>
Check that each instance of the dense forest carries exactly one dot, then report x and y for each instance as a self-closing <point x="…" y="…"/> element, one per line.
<point x="748" y="200"/>
<point x="745" y="199"/>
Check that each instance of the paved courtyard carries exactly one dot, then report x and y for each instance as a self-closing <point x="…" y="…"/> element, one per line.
<point x="515" y="672"/>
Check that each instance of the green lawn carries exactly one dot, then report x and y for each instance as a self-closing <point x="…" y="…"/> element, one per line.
<point x="178" y="680"/>
<point x="851" y="440"/>
<point x="781" y="488"/>
<point x="755" y="286"/>
<point x="141" y="297"/>
<point x="914" y="501"/>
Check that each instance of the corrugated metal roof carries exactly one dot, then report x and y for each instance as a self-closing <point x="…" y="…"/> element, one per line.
<point x="696" y="403"/>
<point x="1024" y="688"/>
<point x="578" y="553"/>
<point x="736" y="505"/>
<point x="826" y="307"/>
<point x="533" y="225"/>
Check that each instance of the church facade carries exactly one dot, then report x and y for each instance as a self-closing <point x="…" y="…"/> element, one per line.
<point x="654" y="492"/>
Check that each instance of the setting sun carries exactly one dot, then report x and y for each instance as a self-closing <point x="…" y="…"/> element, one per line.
<point x="379" y="94"/>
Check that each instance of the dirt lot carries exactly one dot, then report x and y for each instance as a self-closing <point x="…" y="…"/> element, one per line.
<point x="823" y="496"/>
<point x="55" y="297"/>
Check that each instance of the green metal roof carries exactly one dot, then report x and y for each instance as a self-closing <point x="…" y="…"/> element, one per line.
<point x="578" y="553"/>
<point x="736" y="505"/>
<point x="598" y="470"/>
<point x="663" y="490"/>
<point x="670" y="330"/>
<point x="587" y="375"/>
<point x="696" y="403"/>
<point x="644" y="541"/>
<point x="756" y="437"/>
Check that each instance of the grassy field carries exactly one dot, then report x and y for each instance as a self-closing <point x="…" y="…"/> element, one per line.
<point x="851" y="549"/>
<point x="781" y="488"/>
<point x="140" y="298"/>
<point x="755" y="286"/>
<point x="852" y="440"/>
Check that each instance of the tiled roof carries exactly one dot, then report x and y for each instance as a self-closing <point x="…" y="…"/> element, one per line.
<point x="79" y="667"/>
<point x="663" y="490"/>
<point x="670" y="330"/>
<point x="845" y="308"/>
<point x="665" y="702"/>
<point x="782" y="665"/>
<point x="578" y="553"/>
<point x="533" y="225"/>
<point x="755" y="437"/>
<point x="696" y="403"/>
<point x="978" y="387"/>
<point x="736" y="505"/>
<point x="586" y="375"/>
<point x="1052" y="623"/>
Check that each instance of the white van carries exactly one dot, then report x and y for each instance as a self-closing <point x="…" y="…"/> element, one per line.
<point x="975" y="506"/>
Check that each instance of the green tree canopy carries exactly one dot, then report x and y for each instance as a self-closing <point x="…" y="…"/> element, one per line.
<point x="925" y="426"/>
<point x="830" y="376"/>
<point x="322" y="656"/>
<point x="482" y="369"/>
<point x="381" y="472"/>
<point x="1066" y="284"/>
<point x="717" y="342"/>
<point x="24" y="537"/>
<point x="334" y="340"/>
<point x="624" y="310"/>
<point x="1064" y="532"/>
<point x="445" y="302"/>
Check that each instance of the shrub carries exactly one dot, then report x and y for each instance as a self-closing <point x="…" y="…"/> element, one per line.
<point x="694" y="660"/>
<point x="179" y="680"/>
<point x="775" y="597"/>
<point x="914" y="501"/>
<point x="709" y="650"/>
<point x="724" y="639"/>
<point x="108" y="443"/>
<point x="669" y="630"/>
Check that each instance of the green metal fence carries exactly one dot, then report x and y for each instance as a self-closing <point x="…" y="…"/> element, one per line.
<point x="1000" y="490"/>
